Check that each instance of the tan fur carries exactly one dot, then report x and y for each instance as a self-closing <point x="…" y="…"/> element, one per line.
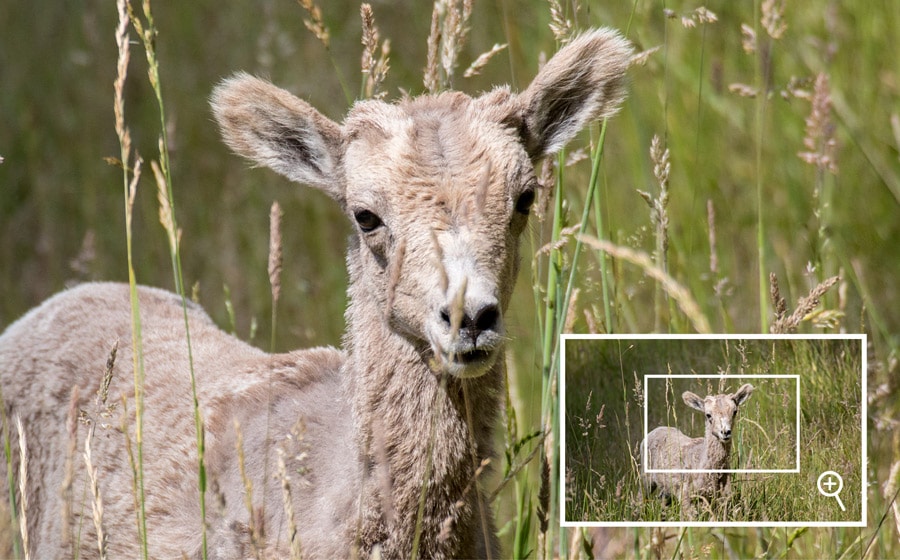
<point x="668" y="448"/>
<point x="438" y="187"/>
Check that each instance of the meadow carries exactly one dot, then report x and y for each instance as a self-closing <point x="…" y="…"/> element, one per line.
<point x="750" y="184"/>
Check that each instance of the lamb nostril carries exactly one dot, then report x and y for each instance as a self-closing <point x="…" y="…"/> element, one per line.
<point x="487" y="318"/>
<point x="445" y="316"/>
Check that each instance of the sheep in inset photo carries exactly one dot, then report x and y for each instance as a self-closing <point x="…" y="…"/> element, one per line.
<point x="668" y="448"/>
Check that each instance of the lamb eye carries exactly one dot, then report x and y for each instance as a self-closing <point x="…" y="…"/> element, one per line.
<point x="367" y="221"/>
<point x="525" y="200"/>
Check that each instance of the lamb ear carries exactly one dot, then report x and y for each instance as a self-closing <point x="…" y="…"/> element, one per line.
<point x="273" y="128"/>
<point x="584" y="81"/>
<point x="742" y="394"/>
<point x="693" y="401"/>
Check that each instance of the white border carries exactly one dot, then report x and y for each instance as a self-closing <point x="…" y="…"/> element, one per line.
<point x="796" y="379"/>
<point x="863" y="417"/>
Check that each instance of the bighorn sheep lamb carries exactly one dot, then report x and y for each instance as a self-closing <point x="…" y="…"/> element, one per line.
<point x="668" y="449"/>
<point x="439" y="189"/>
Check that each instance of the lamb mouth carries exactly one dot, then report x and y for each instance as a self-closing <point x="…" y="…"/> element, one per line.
<point x="469" y="363"/>
<point x="477" y="355"/>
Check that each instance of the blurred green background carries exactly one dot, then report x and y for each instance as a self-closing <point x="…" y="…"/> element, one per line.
<point x="61" y="204"/>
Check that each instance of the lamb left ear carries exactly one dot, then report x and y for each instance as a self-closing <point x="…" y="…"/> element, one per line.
<point x="693" y="401"/>
<point x="584" y="81"/>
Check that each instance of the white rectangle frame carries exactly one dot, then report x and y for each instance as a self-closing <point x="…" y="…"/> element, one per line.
<point x="864" y="415"/>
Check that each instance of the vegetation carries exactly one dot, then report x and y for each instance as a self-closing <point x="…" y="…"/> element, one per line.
<point x="755" y="160"/>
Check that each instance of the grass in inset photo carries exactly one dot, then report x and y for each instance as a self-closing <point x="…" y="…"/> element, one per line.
<point x="712" y="405"/>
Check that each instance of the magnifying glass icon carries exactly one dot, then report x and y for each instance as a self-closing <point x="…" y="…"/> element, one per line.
<point x="830" y="485"/>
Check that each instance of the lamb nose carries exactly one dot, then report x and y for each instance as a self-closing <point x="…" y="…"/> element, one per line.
<point x="484" y="319"/>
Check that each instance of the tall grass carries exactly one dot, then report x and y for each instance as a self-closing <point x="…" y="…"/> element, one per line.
<point x="130" y="178"/>
<point x="147" y="32"/>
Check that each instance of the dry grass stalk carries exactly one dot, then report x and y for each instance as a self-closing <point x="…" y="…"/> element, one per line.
<point x="132" y="188"/>
<point x="565" y="235"/>
<point x="255" y="537"/>
<point x="96" y="499"/>
<point x="788" y="323"/>
<point x="450" y="521"/>
<point x="711" y="227"/>
<point x="819" y="139"/>
<point x="374" y="70"/>
<point x="895" y="128"/>
<point x="659" y="215"/>
<point x="562" y="27"/>
<point x="449" y="30"/>
<point x="571" y="311"/>
<point x="432" y="78"/>
<point x="700" y="16"/>
<point x="87" y="254"/>
<point x="66" y="487"/>
<point x="703" y="15"/>
<point x="456" y="32"/>
<point x="890" y="490"/>
<point x="165" y="206"/>
<point x="105" y="409"/>
<point x="575" y="156"/>
<point x="23" y="487"/>
<point x="773" y="18"/>
<point x="288" y="506"/>
<point x="457" y="308"/>
<point x="475" y="68"/>
<point x="295" y="438"/>
<point x="777" y="300"/>
<point x="315" y="23"/>
<point x="743" y="90"/>
<point x="129" y="451"/>
<point x="275" y="252"/>
<point x="591" y="322"/>
<point x="748" y="38"/>
<point x="119" y="84"/>
<point x="641" y="58"/>
<point x="671" y="286"/>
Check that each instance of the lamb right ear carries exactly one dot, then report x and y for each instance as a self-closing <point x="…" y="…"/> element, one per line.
<point x="273" y="128"/>
<point x="742" y="394"/>
<point x="584" y="81"/>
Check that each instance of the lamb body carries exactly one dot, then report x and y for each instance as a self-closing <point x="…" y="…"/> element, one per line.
<point x="668" y="448"/>
<point x="439" y="188"/>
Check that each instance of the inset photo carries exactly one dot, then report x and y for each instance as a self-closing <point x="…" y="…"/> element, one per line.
<point x="695" y="430"/>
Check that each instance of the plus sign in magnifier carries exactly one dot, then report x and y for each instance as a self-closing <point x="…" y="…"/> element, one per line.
<point x="830" y="485"/>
